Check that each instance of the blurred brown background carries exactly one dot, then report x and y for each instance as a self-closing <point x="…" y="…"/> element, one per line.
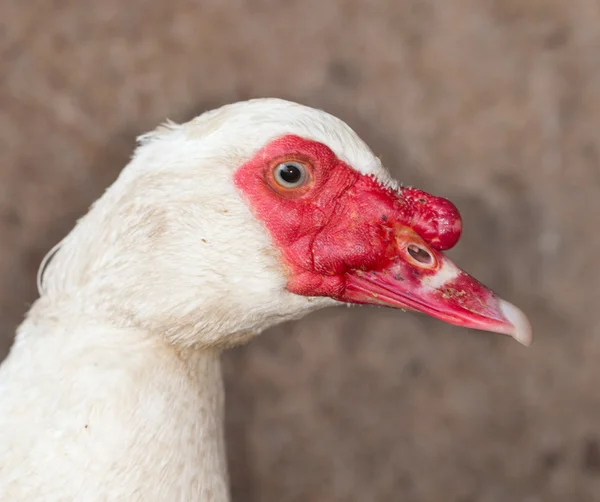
<point x="493" y="103"/>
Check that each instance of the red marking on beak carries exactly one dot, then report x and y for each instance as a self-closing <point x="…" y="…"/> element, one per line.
<point x="344" y="235"/>
<point x="424" y="280"/>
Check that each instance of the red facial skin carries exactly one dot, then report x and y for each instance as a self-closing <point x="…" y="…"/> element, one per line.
<point x="345" y="236"/>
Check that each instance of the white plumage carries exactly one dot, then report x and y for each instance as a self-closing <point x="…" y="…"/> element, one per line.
<point x="112" y="390"/>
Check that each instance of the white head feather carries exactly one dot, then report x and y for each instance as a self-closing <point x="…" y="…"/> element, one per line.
<point x="172" y="248"/>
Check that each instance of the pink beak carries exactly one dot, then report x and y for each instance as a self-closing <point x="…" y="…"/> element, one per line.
<point x="423" y="279"/>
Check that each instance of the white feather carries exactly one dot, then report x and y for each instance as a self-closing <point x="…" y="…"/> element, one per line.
<point x="112" y="390"/>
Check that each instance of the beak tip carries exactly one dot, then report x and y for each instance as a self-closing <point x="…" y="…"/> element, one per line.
<point x="522" y="331"/>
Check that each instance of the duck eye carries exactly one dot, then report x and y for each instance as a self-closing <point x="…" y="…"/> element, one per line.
<point x="290" y="174"/>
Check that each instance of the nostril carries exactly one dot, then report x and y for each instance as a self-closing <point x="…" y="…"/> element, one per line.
<point x="419" y="254"/>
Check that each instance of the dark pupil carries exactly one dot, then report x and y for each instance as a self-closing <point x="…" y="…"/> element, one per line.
<point x="290" y="173"/>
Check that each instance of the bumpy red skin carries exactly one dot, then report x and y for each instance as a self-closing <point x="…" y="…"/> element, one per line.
<point x="343" y="221"/>
<point x="435" y="219"/>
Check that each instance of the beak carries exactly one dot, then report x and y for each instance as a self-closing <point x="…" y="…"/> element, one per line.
<point x="423" y="279"/>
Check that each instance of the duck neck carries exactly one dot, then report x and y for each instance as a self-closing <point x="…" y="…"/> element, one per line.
<point x="154" y="414"/>
<point x="202" y="416"/>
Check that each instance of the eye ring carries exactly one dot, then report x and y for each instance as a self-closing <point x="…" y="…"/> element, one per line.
<point x="290" y="174"/>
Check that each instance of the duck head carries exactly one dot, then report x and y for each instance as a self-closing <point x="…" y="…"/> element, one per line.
<point x="259" y="212"/>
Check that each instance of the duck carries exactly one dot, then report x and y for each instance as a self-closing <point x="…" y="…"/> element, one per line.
<point x="249" y="215"/>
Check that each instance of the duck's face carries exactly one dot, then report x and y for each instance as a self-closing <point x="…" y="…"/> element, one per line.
<point x="346" y="235"/>
<point x="259" y="212"/>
